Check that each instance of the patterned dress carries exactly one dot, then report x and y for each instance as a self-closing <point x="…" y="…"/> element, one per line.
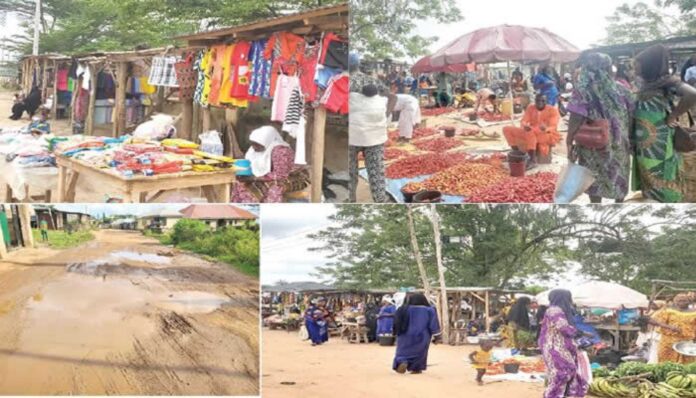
<point x="560" y="355"/>
<point x="598" y="96"/>
<point x="271" y="187"/>
<point x="658" y="167"/>
<point x="686" y="322"/>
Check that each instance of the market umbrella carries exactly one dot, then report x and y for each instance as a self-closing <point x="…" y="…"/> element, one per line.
<point x="423" y="65"/>
<point x="600" y="294"/>
<point x="506" y="43"/>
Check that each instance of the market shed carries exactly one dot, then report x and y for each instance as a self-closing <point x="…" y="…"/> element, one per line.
<point x="41" y="71"/>
<point x="683" y="46"/>
<point x="309" y="25"/>
<point x="484" y="301"/>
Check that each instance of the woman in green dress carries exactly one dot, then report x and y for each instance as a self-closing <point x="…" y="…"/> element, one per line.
<point x="658" y="168"/>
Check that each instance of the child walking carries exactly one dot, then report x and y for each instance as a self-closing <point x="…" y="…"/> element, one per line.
<point x="481" y="358"/>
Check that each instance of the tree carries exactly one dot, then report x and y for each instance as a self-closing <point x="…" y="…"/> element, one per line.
<point x="640" y="22"/>
<point x="385" y="29"/>
<point x="416" y="251"/>
<point x="437" y="241"/>
<point x="73" y="26"/>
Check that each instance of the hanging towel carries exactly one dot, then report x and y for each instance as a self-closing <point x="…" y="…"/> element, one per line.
<point x="162" y="72"/>
<point x="294" y="123"/>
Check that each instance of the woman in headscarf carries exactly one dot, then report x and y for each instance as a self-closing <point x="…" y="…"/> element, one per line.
<point x="272" y="166"/>
<point x="545" y="83"/>
<point x="385" y="319"/>
<point x="415" y="325"/>
<point x="316" y="321"/>
<point x="675" y="324"/>
<point x="558" y="348"/>
<point x="598" y="96"/>
<point x="658" y="168"/>
<point x="517" y="320"/>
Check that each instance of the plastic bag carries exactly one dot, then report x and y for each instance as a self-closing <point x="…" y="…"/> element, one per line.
<point x="572" y="182"/>
<point x="157" y="128"/>
<point x="211" y="143"/>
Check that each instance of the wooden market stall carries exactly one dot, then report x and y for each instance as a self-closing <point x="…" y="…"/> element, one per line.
<point x="41" y="71"/>
<point x="304" y="24"/>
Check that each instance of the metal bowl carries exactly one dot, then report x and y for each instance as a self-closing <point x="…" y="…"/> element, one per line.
<point x="686" y="348"/>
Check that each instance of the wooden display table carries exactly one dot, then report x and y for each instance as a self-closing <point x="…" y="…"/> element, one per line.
<point x="216" y="185"/>
<point x="622" y="335"/>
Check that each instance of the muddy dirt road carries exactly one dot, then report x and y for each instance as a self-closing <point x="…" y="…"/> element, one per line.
<point x="293" y="368"/>
<point x="123" y="314"/>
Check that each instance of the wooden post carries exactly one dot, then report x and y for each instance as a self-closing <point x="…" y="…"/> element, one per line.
<point x="435" y="220"/>
<point x="231" y="142"/>
<point x="318" y="136"/>
<point x="54" y="106"/>
<point x="89" y="120"/>
<point x="44" y="79"/>
<point x="416" y="251"/>
<point x="186" y="130"/>
<point x="487" y="313"/>
<point x="206" y="119"/>
<point x="119" y="115"/>
<point x="25" y="221"/>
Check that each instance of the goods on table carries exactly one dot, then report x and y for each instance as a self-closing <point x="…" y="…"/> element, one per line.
<point x="418" y="165"/>
<point x="534" y="188"/>
<point x="440" y="144"/>
<point x="436" y="111"/>
<point x="466" y="178"/>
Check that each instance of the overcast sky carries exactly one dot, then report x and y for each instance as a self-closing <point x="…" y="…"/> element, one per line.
<point x="583" y="23"/>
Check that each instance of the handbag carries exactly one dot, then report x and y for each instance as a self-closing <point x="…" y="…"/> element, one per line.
<point x="593" y="134"/>
<point x="683" y="140"/>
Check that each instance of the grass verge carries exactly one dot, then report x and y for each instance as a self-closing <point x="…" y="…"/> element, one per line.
<point x="62" y="240"/>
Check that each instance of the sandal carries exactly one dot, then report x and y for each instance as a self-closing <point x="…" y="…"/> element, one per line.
<point x="401" y="368"/>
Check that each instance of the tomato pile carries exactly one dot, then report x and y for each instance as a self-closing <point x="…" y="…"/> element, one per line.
<point x="440" y="144"/>
<point x="464" y="179"/>
<point x="535" y="188"/>
<point x="413" y="187"/>
<point x="436" y="111"/>
<point x="429" y="163"/>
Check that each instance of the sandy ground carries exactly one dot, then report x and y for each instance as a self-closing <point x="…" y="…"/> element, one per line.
<point x="125" y="315"/>
<point x="293" y="368"/>
<point x="488" y="145"/>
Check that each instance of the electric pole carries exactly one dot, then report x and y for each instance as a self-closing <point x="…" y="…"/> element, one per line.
<point x="37" y="24"/>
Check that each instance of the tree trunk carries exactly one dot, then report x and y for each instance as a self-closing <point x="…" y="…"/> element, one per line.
<point x="416" y="251"/>
<point x="435" y="220"/>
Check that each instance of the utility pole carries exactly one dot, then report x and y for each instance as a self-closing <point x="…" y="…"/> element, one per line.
<point x="37" y="25"/>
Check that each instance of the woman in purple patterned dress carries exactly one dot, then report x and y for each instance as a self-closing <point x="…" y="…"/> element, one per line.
<point x="559" y="350"/>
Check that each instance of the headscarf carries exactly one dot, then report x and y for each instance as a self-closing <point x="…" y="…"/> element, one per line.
<point x="654" y="68"/>
<point x="519" y="313"/>
<point x="598" y="94"/>
<point x="563" y="299"/>
<point x="269" y="137"/>
<point x="401" y="318"/>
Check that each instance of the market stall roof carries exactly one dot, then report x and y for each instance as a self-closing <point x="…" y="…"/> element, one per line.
<point x="217" y="212"/>
<point x="506" y="43"/>
<point x="298" y="287"/>
<point x="333" y="17"/>
<point x="423" y="65"/>
<point x="599" y="294"/>
<point x="682" y="44"/>
<point x="49" y="56"/>
<point x="474" y="289"/>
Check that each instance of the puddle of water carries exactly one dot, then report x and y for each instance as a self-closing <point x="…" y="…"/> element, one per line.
<point x="192" y="302"/>
<point x="136" y="256"/>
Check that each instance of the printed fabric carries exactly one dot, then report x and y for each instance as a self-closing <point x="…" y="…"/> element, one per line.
<point x="162" y="72"/>
<point x="294" y="123"/>
<point x="260" y="84"/>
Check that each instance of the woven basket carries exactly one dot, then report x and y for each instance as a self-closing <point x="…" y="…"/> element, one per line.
<point x="186" y="77"/>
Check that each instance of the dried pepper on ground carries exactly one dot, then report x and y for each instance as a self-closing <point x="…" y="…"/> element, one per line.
<point x="440" y="144"/>
<point x="534" y="188"/>
<point x="429" y="163"/>
<point x="465" y="178"/>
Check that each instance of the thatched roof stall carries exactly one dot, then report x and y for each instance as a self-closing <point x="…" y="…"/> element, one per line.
<point x="310" y="25"/>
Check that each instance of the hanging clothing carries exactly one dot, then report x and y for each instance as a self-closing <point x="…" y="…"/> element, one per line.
<point x="162" y="71"/>
<point x="412" y="344"/>
<point x="337" y="94"/>
<point x="260" y="84"/>
<point x="324" y="74"/>
<point x="294" y="123"/>
<point x="62" y="80"/>
<point x="308" y="70"/>
<point x="145" y="87"/>
<point x="216" y="68"/>
<point x="240" y="74"/>
<point x="334" y="52"/>
<point x="225" y="95"/>
<point x="286" y="51"/>
<point x="281" y="97"/>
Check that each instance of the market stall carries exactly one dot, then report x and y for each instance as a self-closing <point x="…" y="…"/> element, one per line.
<point x="295" y="58"/>
<point x="44" y="72"/>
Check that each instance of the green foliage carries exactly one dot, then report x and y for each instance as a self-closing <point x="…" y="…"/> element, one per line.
<point x="640" y="22"/>
<point x="505" y="246"/>
<point x="63" y="240"/>
<point x="236" y="246"/>
<point x="74" y="26"/>
<point x="385" y="29"/>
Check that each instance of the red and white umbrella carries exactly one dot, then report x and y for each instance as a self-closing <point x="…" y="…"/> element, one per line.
<point x="505" y="43"/>
<point x="423" y="65"/>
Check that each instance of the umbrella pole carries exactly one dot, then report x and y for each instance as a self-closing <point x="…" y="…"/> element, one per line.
<point x="512" y="102"/>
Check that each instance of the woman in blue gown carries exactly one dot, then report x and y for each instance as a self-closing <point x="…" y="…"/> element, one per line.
<point x="316" y="321"/>
<point x="415" y="325"/>
<point x="545" y="83"/>
<point x="385" y="319"/>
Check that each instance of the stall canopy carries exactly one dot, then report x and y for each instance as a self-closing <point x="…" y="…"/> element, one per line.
<point x="506" y="43"/>
<point x="598" y="294"/>
<point x="424" y="66"/>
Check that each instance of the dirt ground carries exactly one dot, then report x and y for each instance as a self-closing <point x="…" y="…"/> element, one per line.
<point x="125" y="315"/>
<point x="487" y="145"/>
<point x="293" y="368"/>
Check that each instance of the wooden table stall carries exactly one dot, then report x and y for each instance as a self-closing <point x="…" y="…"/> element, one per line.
<point x="215" y="185"/>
